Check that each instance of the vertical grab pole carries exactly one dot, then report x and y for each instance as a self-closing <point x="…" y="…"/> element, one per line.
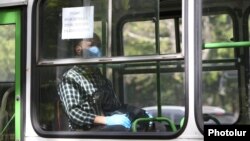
<point x="158" y="74"/>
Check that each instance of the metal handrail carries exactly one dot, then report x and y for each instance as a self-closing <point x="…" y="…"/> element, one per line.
<point x="226" y="45"/>
<point x="160" y="119"/>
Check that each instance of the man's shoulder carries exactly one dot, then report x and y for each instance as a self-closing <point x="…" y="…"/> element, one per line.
<point x="74" y="71"/>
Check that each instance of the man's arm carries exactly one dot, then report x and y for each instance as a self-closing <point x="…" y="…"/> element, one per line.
<point x="99" y="120"/>
<point x="77" y="111"/>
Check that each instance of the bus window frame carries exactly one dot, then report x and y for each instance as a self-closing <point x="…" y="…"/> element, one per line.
<point x="246" y="22"/>
<point x="217" y="11"/>
<point x="38" y="63"/>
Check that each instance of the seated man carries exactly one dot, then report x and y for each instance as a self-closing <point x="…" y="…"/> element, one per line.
<point x="84" y="92"/>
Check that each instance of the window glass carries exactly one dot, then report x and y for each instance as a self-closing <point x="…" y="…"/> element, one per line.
<point x="134" y="83"/>
<point x="171" y="83"/>
<point x="125" y="28"/>
<point x="220" y="96"/>
<point x="7" y="78"/>
<point x="170" y="42"/>
<point x="219" y="78"/>
<point x="140" y="40"/>
<point x="7" y="53"/>
<point x="217" y="28"/>
<point x="54" y="45"/>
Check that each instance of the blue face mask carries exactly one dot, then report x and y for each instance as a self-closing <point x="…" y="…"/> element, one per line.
<point x="92" y="52"/>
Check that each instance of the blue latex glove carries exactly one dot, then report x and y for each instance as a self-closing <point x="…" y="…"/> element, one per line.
<point x="118" y="119"/>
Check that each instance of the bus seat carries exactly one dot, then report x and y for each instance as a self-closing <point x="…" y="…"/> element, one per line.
<point x="61" y="123"/>
<point x="157" y="125"/>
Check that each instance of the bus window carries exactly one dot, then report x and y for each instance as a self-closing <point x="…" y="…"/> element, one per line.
<point x="145" y="95"/>
<point x="221" y="93"/>
<point x="55" y="48"/>
<point x="171" y="82"/>
<point x="170" y="75"/>
<point x="220" y="80"/>
<point x="170" y="36"/>
<point x="143" y="78"/>
<point x="217" y="28"/>
<point x="133" y="37"/>
<point x="132" y="40"/>
<point x="7" y="69"/>
<point x="7" y="79"/>
<point x="219" y="85"/>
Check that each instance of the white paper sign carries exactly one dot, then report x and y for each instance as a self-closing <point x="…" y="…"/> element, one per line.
<point x="78" y="22"/>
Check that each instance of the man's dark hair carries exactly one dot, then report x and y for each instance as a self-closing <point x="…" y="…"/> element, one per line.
<point x="95" y="41"/>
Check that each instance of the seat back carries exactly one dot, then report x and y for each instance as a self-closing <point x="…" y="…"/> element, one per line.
<point x="61" y="119"/>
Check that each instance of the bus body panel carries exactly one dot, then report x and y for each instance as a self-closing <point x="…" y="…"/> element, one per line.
<point x="65" y="139"/>
<point x="7" y="3"/>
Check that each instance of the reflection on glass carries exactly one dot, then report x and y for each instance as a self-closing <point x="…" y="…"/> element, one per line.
<point x="220" y="91"/>
<point x="131" y="33"/>
<point x="221" y="96"/>
<point x="136" y="86"/>
<point x="53" y="46"/>
<point x="139" y="38"/>
<point x="7" y="78"/>
<point x="7" y="52"/>
<point x="217" y="28"/>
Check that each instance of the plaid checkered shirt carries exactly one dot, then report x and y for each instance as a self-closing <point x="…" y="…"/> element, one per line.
<point x="76" y="91"/>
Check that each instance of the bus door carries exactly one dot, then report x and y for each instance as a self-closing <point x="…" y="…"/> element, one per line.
<point x="10" y="104"/>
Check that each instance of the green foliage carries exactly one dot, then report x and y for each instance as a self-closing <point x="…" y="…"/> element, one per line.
<point x="7" y="52"/>
<point x="139" y="40"/>
<point x="219" y="28"/>
<point x="172" y="89"/>
<point x="141" y="89"/>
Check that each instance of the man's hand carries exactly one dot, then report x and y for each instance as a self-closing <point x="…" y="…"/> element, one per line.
<point x="118" y="119"/>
